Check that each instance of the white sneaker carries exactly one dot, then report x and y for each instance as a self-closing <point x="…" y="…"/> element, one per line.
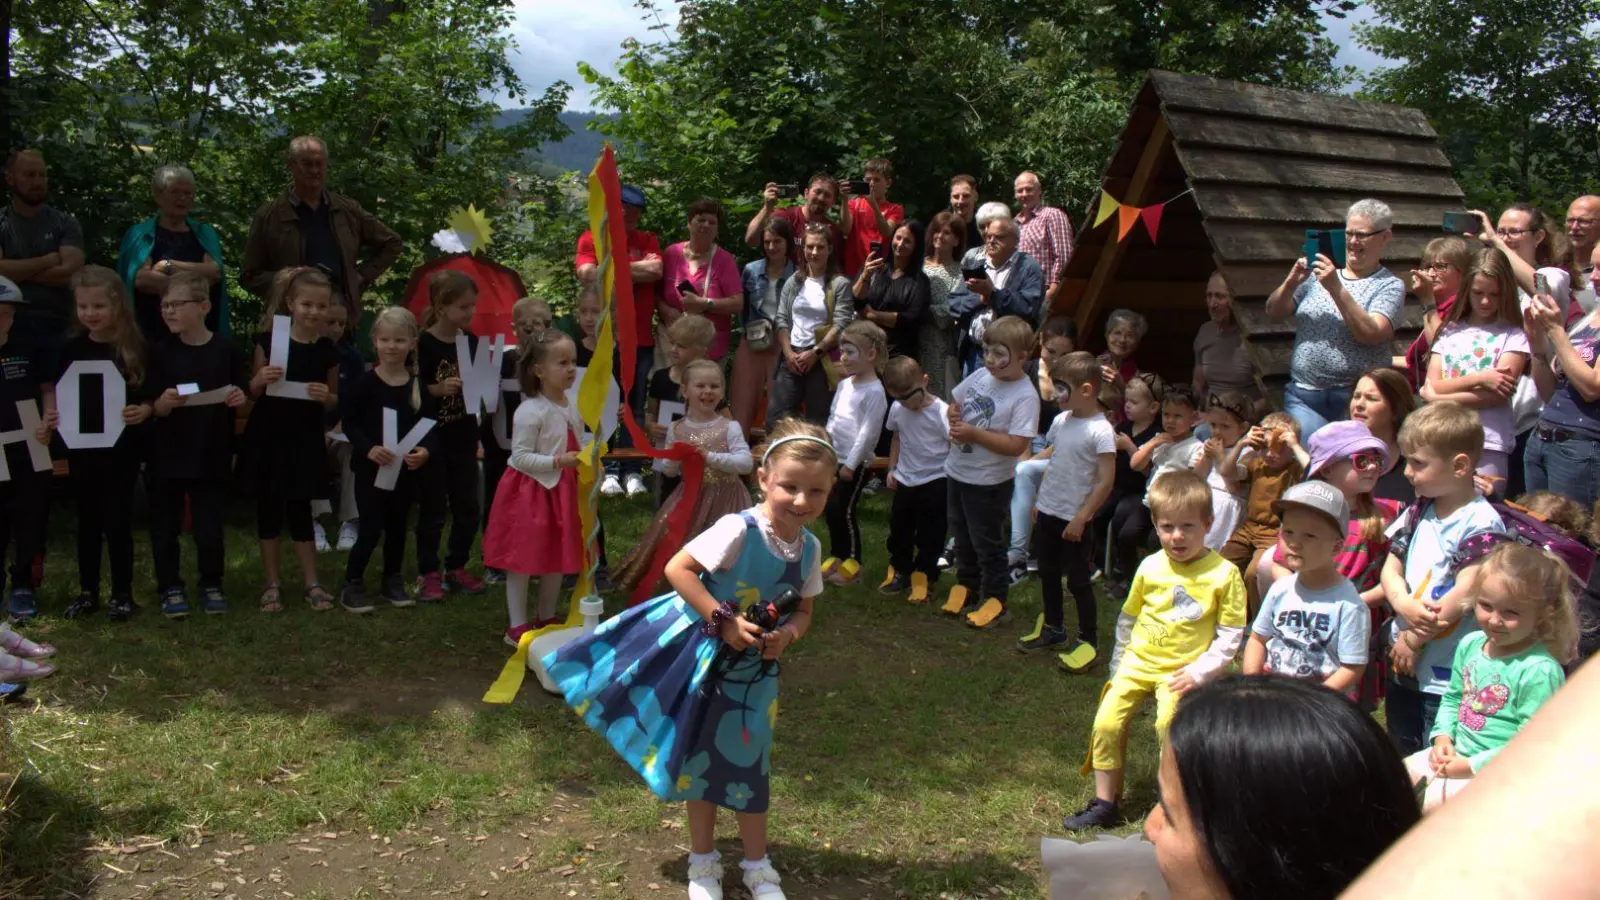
<point x="762" y="880"/>
<point x="347" y="535"/>
<point x="705" y="878"/>
<point x="320" y="536"/>
<point x="636" y="486"/>
<point x="611" y="487"/>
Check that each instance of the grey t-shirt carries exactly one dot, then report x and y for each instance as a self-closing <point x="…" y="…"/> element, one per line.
<point x="1326" y="354"/>
<point x="1310" y="634"/>
<point x="1223" y="358"/>
<point x="25" y="237"/>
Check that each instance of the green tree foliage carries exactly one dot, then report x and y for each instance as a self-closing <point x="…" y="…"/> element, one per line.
<point x="1512" y="89"/>
<point x="401" y="91"/>
<point x="748" y="91"/>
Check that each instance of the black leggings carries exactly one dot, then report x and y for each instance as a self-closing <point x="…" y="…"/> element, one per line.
<point x="1056" y="555"/>
<point x="102" y="483"/>
<point x="166" y="525"/>
<point x="495" y="461"/>
<point x="22" y="506"/>
<point x="384" y="515"/>
<point x="449" y="482"/>
<point x="917" y="523"/>
<point x="844" y="529"/>
<point x="273" y="512"/>
<point x="1129" y="526"/>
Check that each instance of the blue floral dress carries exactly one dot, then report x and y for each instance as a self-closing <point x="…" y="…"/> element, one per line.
<point x="641" y="680"/>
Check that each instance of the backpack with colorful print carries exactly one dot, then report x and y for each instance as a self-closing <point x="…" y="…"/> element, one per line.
<point x="1522" y="525"/>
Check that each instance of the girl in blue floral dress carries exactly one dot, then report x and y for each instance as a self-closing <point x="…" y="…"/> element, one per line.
<point x="685" y="688"/>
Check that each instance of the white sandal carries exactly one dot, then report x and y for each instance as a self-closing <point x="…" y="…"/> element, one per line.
<point x="762" y="880"/>
<point x="705" y="878"/>
<point x="17" y="645"/>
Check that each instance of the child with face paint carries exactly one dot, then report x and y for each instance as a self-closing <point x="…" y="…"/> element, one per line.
<point x="993" y="414"/>
<point x="854" y="422"/>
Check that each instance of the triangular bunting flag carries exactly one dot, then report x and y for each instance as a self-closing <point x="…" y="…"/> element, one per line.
<point x="1126" y="216"/>
<point x="1108" y="206"/>
<point x="1152" y="219"/>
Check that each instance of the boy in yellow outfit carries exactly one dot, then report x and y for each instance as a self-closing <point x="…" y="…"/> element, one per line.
<point x="1182" y="622"/>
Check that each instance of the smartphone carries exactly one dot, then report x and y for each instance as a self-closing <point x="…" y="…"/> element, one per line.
<point x="858" y="188"/>
<point x="979" y="272"/>
<point x="1328" y="242"/>
<point x="684" y="287"/>
<point x="1460" y="223"/>
<point x="788" y="191"/>
<point x="875" y="248"/>
<point x="1541" y="284"/>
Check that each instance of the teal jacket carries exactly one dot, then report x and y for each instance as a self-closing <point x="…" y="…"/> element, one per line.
<point x="141" y="239"/>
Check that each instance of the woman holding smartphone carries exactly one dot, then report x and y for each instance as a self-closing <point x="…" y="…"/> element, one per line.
<point x="813" y="310"/>
<point x="699" y="277"/>
<point x="892" y="289"/>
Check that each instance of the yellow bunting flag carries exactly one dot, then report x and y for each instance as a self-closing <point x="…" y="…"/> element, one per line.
<point x="1126" y="216"/>
<point x="1108" y="208"/>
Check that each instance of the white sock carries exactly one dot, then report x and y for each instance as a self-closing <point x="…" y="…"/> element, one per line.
<point x="549" y="595"/>
<point x="517" y="599"/>
<point x="750" y="865"/>
<point x="696" y="859"/>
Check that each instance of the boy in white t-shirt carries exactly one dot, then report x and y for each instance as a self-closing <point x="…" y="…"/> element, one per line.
<point x="916" y="475"/>
<point x="1078" y="479"/>
<point x="994" y="412"/>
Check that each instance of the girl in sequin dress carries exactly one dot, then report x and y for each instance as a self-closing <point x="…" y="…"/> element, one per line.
<point x="722" y="491"/>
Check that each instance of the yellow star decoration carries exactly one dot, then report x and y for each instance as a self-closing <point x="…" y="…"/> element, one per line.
<point x="649" y="759"/>
<point x="471" y="221"/>
<point x="581" y="708"/>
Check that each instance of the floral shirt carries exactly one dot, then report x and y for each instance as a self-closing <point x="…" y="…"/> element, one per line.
<point x="1567" y="408"/>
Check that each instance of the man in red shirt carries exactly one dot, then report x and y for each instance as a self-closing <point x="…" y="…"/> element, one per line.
<point x="1046" y="231"/>
<point x="644" y="253"/>
<point x="870" y="219"/>
<point x="821" y="195"/>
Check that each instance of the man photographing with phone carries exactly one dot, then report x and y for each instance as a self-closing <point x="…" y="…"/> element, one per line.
<point x="822" y="192"/>
<point x="870" y="218"/>
<point x="997" y="280"/>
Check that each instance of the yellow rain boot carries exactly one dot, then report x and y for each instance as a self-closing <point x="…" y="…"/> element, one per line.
<point x="848" y="572"/>
<point x="919" y="588"/>
<point x="888" y="580"/>
<point x="955" y="602"/>
<point x="991" y="614"/>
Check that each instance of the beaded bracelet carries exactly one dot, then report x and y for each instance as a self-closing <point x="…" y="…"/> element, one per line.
<point x="727" y="609"/>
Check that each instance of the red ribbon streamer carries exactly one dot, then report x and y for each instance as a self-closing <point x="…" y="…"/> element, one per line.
<point x="622" y="322"/>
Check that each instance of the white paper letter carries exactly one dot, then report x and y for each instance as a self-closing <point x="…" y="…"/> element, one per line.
<point x="388" y="475"/>
<point x="502" y="416"/>
<point x="283" y="387"/>
<point x="480" y="373"/>
<point x="69" y="404"/>
<point x="38" y="454"/>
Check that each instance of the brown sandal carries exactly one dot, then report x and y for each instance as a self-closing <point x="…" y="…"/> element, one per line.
<point x="271" y="599"/>
<point x="319" y="598"/>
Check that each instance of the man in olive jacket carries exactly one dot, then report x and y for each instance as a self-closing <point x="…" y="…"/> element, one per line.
<point x="308" y="225"/>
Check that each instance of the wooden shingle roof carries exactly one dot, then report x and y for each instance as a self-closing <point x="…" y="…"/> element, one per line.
<point x="1264" y="164"/>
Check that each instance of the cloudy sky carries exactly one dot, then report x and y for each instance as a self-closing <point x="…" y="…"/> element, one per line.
<point x="553" y="36"/>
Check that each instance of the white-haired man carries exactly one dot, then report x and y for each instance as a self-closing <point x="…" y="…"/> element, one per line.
<point x="309" y="225"/>
<point x="1011" y="284"/>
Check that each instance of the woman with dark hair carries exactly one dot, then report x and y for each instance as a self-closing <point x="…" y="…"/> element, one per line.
<point x="936" y="349"/>
<point x="699" y="277"/>
<point x="893" y="291"/>
<point x="1274" y="788"/>
<point x="813" y="310"/>
<point x="1381" y="400"/>
<point x="755" y="360"/>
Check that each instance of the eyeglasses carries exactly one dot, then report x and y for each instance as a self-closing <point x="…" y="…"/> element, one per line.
<point x="1360" y="236"/>
<point x="1512" y="232"/>
<point x="995" y="238"/>
<point x="1585" y="221"/>
<point x="175" y="305"/>
<point x="1366" y="461"/>
<point x="1436" y="267"/>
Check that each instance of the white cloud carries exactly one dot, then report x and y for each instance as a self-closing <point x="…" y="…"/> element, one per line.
<point x="553" y="36"/>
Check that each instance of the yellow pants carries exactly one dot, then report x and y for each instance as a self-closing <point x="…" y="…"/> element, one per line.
<point x="1119" y="701"/>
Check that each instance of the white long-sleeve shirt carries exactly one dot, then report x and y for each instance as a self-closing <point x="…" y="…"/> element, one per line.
<point x="856" y="419"/>
<point x="737" y="459"/>
<point x="539" y="435"/>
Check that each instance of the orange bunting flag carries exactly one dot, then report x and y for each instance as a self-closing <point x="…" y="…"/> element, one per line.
<point x="1108" y="207"/>
<point x="1152" y="219"/>
<point x="1126" y="216"/>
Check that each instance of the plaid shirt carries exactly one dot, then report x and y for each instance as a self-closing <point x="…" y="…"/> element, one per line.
<point x="1047" y="237"/>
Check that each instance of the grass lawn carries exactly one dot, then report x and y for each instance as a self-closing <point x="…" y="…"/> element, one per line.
<point x="330" y="755"/>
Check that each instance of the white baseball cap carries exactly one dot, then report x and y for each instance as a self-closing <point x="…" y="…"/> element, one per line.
<point x="1320" y="497"/>
<point x="10" y="293"/>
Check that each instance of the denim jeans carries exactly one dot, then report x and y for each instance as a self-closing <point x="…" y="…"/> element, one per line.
<point x="1029" y="474"/>
<point x="1314" y="408"/>
<point x="643" y="357"/>
<point x="1409" y="714"/>
<point x="1570" y="468"/>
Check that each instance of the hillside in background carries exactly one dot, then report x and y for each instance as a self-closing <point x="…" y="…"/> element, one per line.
<point x="574" y="153"/>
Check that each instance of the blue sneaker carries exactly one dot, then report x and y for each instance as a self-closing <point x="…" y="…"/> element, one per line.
<point x="213" y="602"/>
<point x="174" y="604"/>
<point x="21" y="605"/>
